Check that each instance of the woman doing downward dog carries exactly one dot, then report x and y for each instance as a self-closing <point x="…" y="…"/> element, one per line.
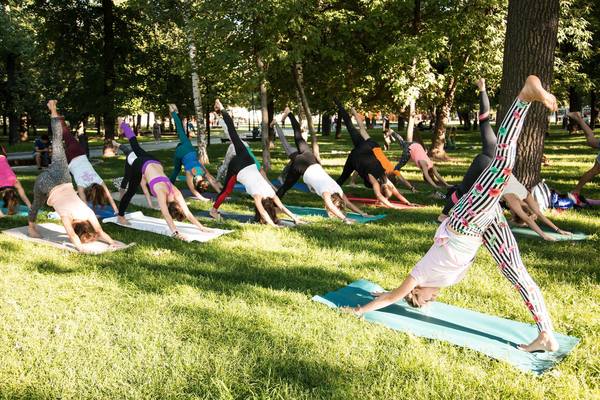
<point x="196" y="175"/>
<point x="519" y="199"/>
<point x="89" y="184"/>
<point x="304" y="164"/>
<point x="10" y="188"/>
<point x="362" y="160"/>
<point x="242" y="168"/>
<point x="475" y="220"/>
<point x="53" y="186"/>
<point x="140" y="168"/>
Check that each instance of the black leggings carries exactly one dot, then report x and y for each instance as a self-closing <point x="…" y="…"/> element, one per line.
<point x="240" y="161"/>
<point x="481" y="161"/>
<point x="300" y="161"/>
<point x="357" y="139"/>
<point x="133" y="173"/>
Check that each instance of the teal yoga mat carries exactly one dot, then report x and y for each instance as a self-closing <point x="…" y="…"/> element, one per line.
<point x="576" y="236"/>
<point x="320" y="212"/>
<point x="22" y="210"/>
<point x="493" y="336"/>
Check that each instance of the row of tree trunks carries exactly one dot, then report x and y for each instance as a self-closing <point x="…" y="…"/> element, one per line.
<point x="531" y="37"/>
<point x="264" y="112"/>
<point x="11" y="84"/>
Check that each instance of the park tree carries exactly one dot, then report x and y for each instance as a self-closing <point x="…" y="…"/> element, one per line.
<point x="529" y="49"/>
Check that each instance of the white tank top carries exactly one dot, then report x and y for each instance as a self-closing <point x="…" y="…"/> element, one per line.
<point x="254" y="182"/>
<point x="83" y="172"/>
<point x="320" y="182"/>
<point x="513" y="186"/>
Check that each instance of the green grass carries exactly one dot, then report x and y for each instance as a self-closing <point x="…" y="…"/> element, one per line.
<point x="233" y="318"/>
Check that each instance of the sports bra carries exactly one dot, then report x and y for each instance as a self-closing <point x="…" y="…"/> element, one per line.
<point x="160" y="179"/>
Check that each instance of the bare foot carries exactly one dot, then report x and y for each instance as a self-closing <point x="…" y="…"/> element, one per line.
<point x="215" y="214"/>
<point x="481" y="84"/>
<point x="285" y="114"/>
<point x="122" y="220"/>
<point x="574" y="115"/>
<point x="218" y="106"/>
<point x="33" y="232"/>
<point x="533" y="91"/>
<point x="544" y="342"/>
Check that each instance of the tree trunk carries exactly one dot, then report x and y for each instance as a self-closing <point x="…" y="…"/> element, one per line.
<point x="201" y="135"/>
<point x="108" y="56"/>
<point x="264" y="112"/>
<point x="207" y="127"/>
<point x="138" y="126"/>
<point x="298" y="79"/>
<point x="575" y="104"/>
<point x="11" y="84"/>
<point x="4" y="125"/>
<point x="98" y="124"/>
<point x="531" y="36"/>
<point x="326" y="124"/>
<point x="441" y="119"/>
<point x="411" y="120"/>
<point x="271" y="113"/>
<point x="148" y="121"/>
<point x="338" y="126"/>
<point x="593" y="109"/>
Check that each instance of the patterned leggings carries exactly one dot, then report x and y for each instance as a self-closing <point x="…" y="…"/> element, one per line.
<point x="478" y="213"/>
<point x="56" y="174"/>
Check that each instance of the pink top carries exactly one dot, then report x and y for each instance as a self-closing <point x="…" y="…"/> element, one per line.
<point x="66" y="203"/>
<point x="7" y="175"/>
<point x="418" y="153"/>
<point x="448" y="259"/>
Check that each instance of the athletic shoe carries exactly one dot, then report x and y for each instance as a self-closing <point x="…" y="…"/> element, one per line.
<point x="575" y="198"/>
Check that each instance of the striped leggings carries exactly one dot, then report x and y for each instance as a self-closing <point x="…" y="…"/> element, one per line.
<point x="478" y="213"/>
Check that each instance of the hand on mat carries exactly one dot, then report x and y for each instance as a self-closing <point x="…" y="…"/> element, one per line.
<point x="564" y="233"/>
<point x="181" y="236"/>
<point x="298" y="221"/>
<point x="352" y="310"/>
<point x="349" y="221"/>
<point x="122" y="220"/>
<point x="201" y="198"/>
<point x="548" y="238"/>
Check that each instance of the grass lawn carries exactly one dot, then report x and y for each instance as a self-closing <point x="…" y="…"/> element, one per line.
<point x="233" y="318"/>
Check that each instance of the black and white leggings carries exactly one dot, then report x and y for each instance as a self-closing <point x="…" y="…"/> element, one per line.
<point x="478" y="213"/>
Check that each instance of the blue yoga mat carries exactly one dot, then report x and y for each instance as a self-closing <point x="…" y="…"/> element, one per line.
<point x="320" y="212"/>
<point x="209" y="195"/>
<point x="22" y="211"/>
<point x="493" y="336"/>
<point x="576" y="236"/>
<point x="102" y="212"/>
<point x="243" y="218"/>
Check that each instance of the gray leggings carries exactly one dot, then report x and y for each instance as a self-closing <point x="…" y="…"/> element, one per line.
<point x="56" y="174"/>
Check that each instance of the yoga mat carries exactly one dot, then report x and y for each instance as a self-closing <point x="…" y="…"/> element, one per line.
<point x="592" y="202"/>
<point x="209" y="195"/>
<point x="22" y="211"/>
<point x="576" y="236"/>
<point x="320" y="212"/>
<point x="138" y="200"/>
<point x="55" y="235"/>
<point x="302" y="187"/>
<point x="140" y="222"/>
<point x="244" y="218"/>
<point x="375" y="202"/>
<point x="493" y="336"/>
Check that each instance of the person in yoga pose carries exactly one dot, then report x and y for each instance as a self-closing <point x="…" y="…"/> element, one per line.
<point x="142" y="168"/>
<point x="594" y="143"/>
<point x="304" y="164"/>
<point x="90" y="186"/>
<point x="477" y="219"/>
<point x="525" y="210"/>
<point x="363" y="160"/>
<point x="196" y="175"/>
<point x="10" y="188"/>
<point x="390" y="170"/>
<point x="242" y="168"/>
<point x="53" y="186"/>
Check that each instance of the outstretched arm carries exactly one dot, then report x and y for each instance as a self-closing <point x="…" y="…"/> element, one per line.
<point x="102" y="235"/>
<point x="263" y="213"/>
<point x="108" y="195"/>
<point x="332" y="208"/>
<point x="591" y="140"/>
<point x="423" y="166"/>
<point x="382" y="199"/>
<point x="514" y="203"/>
<point x="22" y="194"/>
<point x="388" y="298"/>
<point x="68" y="224"/>
<point x="397" y="194"/>
<point x="533" y="205"/>
<point x="283" y="208"/>
<point x="353" y="206"/>
<point x="211" y="180"/>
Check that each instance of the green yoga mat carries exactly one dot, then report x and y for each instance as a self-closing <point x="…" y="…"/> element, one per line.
<point x="493" y="336"/>
<point x="320" y="212"/>
<point x="529" y="233"/>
